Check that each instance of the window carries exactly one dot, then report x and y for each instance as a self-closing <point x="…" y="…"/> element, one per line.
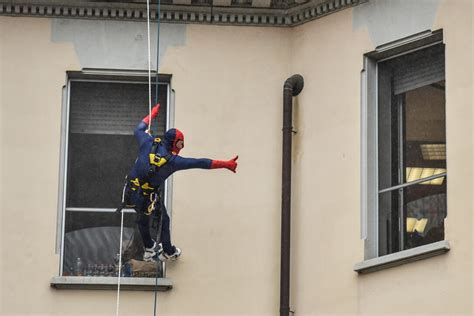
<point x="404" y="146"/>
<point x="99" y="150"/>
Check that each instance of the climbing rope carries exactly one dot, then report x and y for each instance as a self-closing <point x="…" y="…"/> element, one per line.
<point x="158" y="263"/>
<point x="149" y="128"/>
<point x="157" y="49"/>
<point x="119" y="266"/>
<point x="149" y="61"/>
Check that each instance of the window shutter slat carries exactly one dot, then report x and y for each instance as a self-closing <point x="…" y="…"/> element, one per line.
<point x="110" y="108"/>
<point x="421" y="69"/>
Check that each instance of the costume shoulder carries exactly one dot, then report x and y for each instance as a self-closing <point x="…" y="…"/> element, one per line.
<point x="141" y="135"/>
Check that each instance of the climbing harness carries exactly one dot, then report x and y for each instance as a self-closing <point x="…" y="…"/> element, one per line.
<point x="142" y="186"/>
<point x="156" y="160"/>
<point x="152" y="206"/>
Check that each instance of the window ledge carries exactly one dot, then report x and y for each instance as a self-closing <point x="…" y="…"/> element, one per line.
<point x="402" y="257"/>
<point x="110" y="283"/>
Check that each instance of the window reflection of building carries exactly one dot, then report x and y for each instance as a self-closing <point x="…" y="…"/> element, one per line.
<point x="426" y="151"/>
<point x="431" y="212"/>
<point x="411" y="148"/>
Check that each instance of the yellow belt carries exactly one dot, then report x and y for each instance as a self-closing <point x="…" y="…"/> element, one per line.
<point x="146" y="188"/>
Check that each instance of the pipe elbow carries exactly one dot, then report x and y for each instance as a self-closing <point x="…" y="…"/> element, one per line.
<point x="295" y="83"/>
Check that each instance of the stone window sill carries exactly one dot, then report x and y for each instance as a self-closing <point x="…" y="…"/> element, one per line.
<point x="110" y="283"/>
<point x="402" y="257"/>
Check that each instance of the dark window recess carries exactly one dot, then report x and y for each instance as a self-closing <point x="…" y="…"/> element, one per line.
<point x="411" y="147"/>
<point x="241" y="3"/>
<point x="283" y="4"/>
<point x="101" y="150"/>
<point x="201" y="2"/>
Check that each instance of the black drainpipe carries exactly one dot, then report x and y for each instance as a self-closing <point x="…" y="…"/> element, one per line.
<point x="291" y="88"/>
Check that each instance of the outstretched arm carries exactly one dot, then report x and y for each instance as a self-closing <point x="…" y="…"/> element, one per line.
<point x="182" y="163"/>
<point x="141" y="131"/>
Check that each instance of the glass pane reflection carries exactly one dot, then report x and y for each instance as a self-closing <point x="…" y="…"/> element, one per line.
<point x="412" y="216"/>
<point x="425" y="213"/>
<point x="92" y="243"/>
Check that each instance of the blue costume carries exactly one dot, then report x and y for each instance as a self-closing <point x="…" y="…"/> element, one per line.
<point x="176" y="163"/>
<point x="149" y="182"/>
<point x="157" y="160"/>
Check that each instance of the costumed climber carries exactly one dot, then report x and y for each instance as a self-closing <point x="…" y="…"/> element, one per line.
<point x="157" y="160"/>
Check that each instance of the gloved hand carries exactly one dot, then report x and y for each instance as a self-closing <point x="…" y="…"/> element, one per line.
<point x="154" y="113"/>
<point x="228" y="164"/>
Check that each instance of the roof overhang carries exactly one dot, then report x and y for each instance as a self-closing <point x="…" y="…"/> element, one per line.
<point x="281" y="13"/>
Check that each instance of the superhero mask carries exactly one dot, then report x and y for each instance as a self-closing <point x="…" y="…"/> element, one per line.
<point x="175" y="140"/>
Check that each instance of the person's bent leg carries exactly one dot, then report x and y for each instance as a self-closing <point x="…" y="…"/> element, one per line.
<point x="143" y="223"/>
<point x="169" y="252"/>
<point x="142" y="220"/>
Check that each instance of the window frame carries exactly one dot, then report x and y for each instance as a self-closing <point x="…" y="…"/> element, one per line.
<point x="369" y="156"/>
<point x="110" y="76"/>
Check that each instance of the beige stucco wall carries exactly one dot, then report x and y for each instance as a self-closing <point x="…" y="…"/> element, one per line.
<point x="32" y="77"/>
<point x="228" y="83"/>
<point x="228" y="101"/>
<point x="327" y="192"/>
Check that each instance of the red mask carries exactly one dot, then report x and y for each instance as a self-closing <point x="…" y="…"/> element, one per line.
<point x="178" y="142"/>
<point x="175" y="139"/>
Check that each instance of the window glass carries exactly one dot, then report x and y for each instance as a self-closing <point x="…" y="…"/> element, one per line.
<point x="411" y="147"/>
<point x="101" y="150"/>
<point x="421" y="207"/>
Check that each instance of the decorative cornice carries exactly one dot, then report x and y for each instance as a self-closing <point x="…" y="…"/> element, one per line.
<point x="281" y="13"/>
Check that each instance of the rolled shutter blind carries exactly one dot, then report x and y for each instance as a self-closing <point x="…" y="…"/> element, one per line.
<point x="112" y="108"/>
<point x="418" y="69"/>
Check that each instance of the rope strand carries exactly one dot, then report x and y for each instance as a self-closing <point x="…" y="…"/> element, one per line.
<point x="119" y="267"/>
<point x="156" y="101"/>
<point x="157" y="49"/>
<point x="149" y="59"/>
<point x="158" y="262"/>
<point x="149" y="128"/>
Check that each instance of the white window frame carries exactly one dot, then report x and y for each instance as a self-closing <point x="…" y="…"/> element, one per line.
<point x="369" y="157"/>
<point x="75" y="282"/>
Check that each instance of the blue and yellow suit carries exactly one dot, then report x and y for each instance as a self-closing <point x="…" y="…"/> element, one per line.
<point x="154" y="164"/>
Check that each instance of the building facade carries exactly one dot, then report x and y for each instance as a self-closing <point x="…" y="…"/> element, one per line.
<point x="383" y="121"/>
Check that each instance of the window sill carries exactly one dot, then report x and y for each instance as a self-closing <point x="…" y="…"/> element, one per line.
<point x="402" y="257"/>
<point x="110" y="283"/>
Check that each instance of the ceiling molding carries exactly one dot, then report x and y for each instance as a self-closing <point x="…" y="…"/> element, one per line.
<point x="280" y="13"/>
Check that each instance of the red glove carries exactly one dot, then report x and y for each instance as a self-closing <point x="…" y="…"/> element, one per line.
<point x="154" y="113"/>
<point x="228" y="164"/>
